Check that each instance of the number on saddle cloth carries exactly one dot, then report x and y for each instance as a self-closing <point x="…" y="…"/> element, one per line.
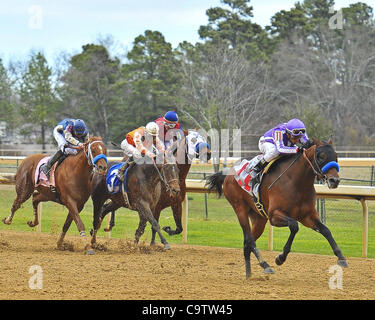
<point x="112" y="180"/>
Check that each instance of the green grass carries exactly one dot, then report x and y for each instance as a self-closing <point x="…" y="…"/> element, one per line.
<point x="221" y="228"/>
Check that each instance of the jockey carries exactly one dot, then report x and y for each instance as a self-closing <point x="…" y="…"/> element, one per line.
<point x="281" y="139"/>
<point x="70" y="135"/>
<point x="140" y="142"/>
<point x="166" y="123"/>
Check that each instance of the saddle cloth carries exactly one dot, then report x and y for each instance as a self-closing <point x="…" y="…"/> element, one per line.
<point x="41" y="178"/>
<point x="243" y="173"/>
<point x="113" y="182"/>
<point x="115" y="185"/>
<point x="243" y="178"/>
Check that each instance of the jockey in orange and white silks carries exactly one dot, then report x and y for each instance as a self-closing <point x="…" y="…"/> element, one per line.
<point x="141" y="141"/>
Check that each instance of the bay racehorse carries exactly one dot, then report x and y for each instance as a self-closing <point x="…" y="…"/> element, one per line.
<point x="188" y="146"/>
<point x="288" y="196"/>
<point x="72" y="185"/>
<point x="144" y="183"/>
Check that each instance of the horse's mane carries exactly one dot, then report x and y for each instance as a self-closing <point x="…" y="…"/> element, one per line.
<point x="93" y="138"/>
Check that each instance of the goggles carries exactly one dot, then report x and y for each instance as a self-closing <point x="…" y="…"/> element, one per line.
<point x="297" y="132"/>
<point x="170" y="125"/>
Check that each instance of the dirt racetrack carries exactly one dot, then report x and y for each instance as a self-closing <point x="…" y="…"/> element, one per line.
<point x="120" y="271"/>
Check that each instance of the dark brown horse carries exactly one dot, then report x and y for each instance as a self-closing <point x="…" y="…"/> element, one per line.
<point x="144" y="182"/>
<point x="288" y="195"/>
<point x="184" y="157"/>
<point x="72" y="182"/>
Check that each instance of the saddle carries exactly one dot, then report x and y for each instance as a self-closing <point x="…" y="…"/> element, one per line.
<point x="243" y="177"/>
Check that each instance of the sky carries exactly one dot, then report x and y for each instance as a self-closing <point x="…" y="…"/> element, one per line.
<point x="53" y="26"/>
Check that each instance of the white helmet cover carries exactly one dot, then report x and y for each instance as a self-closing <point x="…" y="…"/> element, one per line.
<point x="152" y="128"/>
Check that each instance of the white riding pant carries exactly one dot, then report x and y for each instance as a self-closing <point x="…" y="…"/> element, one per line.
<point x="268" y="149"/>
<point x="62" y="143"/>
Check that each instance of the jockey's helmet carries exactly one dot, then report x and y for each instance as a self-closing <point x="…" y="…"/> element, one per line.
<point x="171" y="119"/>
<point x="80" y="128"/>
<point x="296" y="128"/>
<point x="152" y="129"/>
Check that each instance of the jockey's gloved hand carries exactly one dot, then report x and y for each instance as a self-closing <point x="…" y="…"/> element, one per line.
<point x="150" y="154"/>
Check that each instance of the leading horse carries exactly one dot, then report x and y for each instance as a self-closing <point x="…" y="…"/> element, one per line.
<point x="72" y="183"/>
<point x="143" y="182"/>
<point x="288" y="196"/>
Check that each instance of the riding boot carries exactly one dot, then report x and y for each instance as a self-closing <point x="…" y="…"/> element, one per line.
<point x="46" y="168"/>
<point x="121" y="172"/>
<point x="255" y="172"/>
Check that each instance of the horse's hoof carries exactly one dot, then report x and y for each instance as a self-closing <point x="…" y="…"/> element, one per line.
<point x="167" y="230"/>
<point x="269" y="270"/>
<point x="342" y="263"/>
<point x="90" y="252"/>
<point x="167" y="246"/>
<point x="31" y="224"/>
<point x="107" y="229"/>
<point x="5" y="221"/>
<point x="278" y="261"/>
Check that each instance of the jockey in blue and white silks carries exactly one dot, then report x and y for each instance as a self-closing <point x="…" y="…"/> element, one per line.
<point x="70" y="134"/>
<point x="280" y="140"/>
<point x="196" y="143"/>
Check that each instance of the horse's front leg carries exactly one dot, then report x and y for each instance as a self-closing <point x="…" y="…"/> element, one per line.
<point x="314" y="223"/>
<point x="146" y="213"/>
<point x="74" y="211"/>
<point x="177" y="214"/>
<point x="141" y="229"/>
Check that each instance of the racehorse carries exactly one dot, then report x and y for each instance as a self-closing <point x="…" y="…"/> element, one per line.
<point x="288" y="196"/>
<point x="144" y="183"/>
<point x="185" y="150"/>
<point x="72" y="185"/>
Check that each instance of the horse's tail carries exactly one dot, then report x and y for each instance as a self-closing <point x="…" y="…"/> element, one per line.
<point x="215" y="182"/>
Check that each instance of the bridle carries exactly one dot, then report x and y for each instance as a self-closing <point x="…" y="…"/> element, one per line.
<point x="162" y="177"/>
<point x="92" y="161"/>
<point x="319" y="172"/>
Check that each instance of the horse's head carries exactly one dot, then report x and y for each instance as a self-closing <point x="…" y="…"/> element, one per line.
<point x="169" y="173"/>
<point x="96" y="154"/>
<point x="325" y="163"/>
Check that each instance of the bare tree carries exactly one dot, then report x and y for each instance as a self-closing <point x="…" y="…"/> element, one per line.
<point x="223" y="90"/>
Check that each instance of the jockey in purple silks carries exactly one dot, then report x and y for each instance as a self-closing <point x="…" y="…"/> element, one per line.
<point x="280" y="140"/>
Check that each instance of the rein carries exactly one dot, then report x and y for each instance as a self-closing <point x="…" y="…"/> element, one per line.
<point x="319" y="173"/>
<point x="283" y="172"/>
<point x="162" y="177"/>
